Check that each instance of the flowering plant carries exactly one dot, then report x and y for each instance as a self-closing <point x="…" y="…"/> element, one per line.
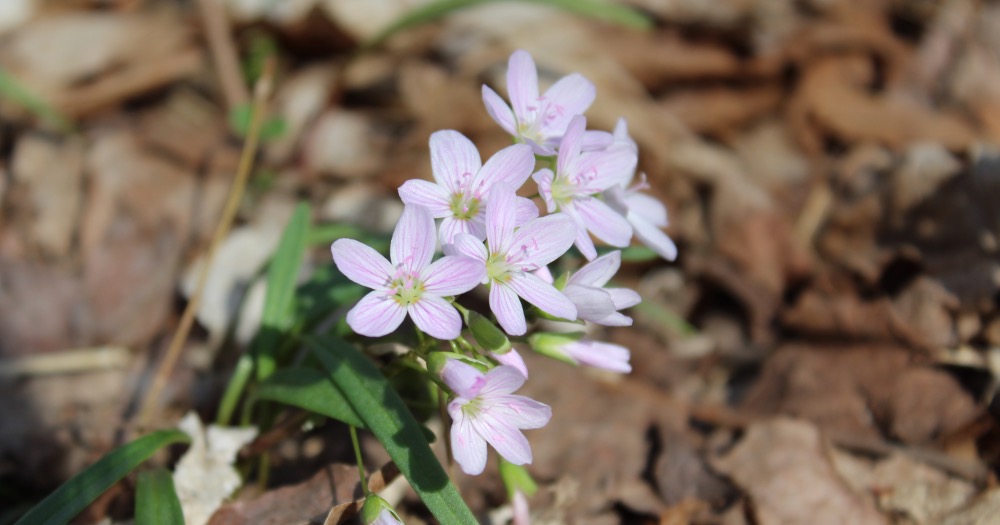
<point x="491" y="236"/>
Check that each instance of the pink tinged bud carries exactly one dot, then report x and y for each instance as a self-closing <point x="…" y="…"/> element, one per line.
<point x="522" y="514"/>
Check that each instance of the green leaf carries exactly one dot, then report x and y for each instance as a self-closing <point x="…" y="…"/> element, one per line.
<point x="74" y="495"/>
<point x="388" y="418"/>
<point x="639" y="253"/>
<point x="282" y="275"/>
<point x="156" y="500"/>
<point x="598" y="9"/>
<point x="308" y="389"/>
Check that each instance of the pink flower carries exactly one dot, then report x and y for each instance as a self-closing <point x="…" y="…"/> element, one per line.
<point x="595" y="303"/>
<point x="540" y="121"/>
<point x="522" y="514"/>
<point x="461" y="183"/>
<point x="408" y="283"/>
<point x="513" y="255"/>
<point x="485" y="411"/>
<point x="646" y="214"/>
<point x="580" y="177"/>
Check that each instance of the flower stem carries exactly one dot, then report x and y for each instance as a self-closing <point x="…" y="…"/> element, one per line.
<point x="361" y="465"/>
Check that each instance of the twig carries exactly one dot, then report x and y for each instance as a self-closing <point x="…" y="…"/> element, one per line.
<point x="71" y="361"/>
<point x="227" y="62"/>
<point x="262" y="92"/>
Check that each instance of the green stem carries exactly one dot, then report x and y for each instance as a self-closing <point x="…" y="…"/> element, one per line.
<point x="361" y="465"/>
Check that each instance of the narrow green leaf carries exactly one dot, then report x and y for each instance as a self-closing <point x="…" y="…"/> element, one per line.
<point x="308" y="389"/>
<point x="14" y="91"/>
<point x="599" y="9"/>
<point x="156" y="500"/>
<point x="74" y="495"/>
<point x="282" y="274"/>
<point x="392" y="423"/>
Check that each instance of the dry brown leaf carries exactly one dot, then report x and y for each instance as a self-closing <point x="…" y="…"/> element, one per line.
<point x="784" y="467"/>
<point x="723" y="111"/>
<point x="50" y="176"/>
<point x="981" y="511"/>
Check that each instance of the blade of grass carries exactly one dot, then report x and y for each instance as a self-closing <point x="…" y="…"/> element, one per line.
<point x="308" y="389"/>
<point x="74" y="495"/>
<point x="282" y="274"/>
<point x="392" y="423"/>
<point x="598" y="9"/>
<point x="156" y="500"/>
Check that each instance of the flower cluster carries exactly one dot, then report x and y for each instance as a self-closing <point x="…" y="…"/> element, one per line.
<point x="491" y="236"/>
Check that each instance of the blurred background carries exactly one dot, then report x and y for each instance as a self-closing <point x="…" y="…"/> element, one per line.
<point x="825" y="349"/>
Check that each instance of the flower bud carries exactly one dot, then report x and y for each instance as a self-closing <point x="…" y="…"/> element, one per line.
<point x="377" y="511"/>
<point x="551" y="344"/>
<point x="491" y="338"/>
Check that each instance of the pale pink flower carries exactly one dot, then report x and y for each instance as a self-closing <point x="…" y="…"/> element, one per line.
<point x="408" y="283"/>
<point x="593" y="301"/>
<point x="646" y="214"/>
<point x="511" y="257"/>
<point x="486" y="411"/>
<point x="522" y="514"/>
<point x="540" y="121"/>
<point x="462" y="182"/>
<point x="580" y="177"/>
<point x="385" y="517"/>
<point x="511" y="358"/>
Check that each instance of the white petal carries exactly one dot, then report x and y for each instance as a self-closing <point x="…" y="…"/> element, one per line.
<point x="436" y="317"/>
<point x="375" y="315"/>
<point x="468" y="447"/>
<point x="508" y="441"/>
<point x="454" y="159"/>
<point x="543" y="295"/>
<point x="623" y="297"/>
<point x="571" y="95"/>
<point x="507" y="309"/>
<point x="413" y="240"/>
<point x="501" y="216"/>
<point x="544" y="180"/>
<point x="502" y="380"/>
<point x="600" y="355"/>
<point x="467" y="245"/>
<point x="647" y="207"/>
<point x="499" y="110"/>
<point x="520" y="411"/>
<point x="522" y="84"/>
<point x="453" y="275"/>
<point x="654" y="237"/>
<point x="606" y="224"/>
<point x="361" y="263"/>
<point x="511" y="165"/>
<point x="427" y="194"/>
<point x="592" y="304"/>
<point x="604" y="169"/>
<point x="541" y="241"/>
<point x="572" y="142"/>
<point x="599" y="271"/>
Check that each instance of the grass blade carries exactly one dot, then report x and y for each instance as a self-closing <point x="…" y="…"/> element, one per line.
<point x="282" y="274"/>
<point x="156" y="500"/>
<point x="308" y="389"/>
<point x="74" y="495"/>
<point x="602" y="10"/>
<point x="388" y="418"/>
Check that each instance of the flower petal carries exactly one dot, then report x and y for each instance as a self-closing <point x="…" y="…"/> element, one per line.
<point x="648" y="208"/>
<point x="572" y="142"/>
<point x="361" y="263"/>
<point x="571" y="95"/>
<point x="511" y="165"/>
<point x="427" y="194"/>
<point x="499" y="110"/>
<point x="467" y="245"/>
<point x="467" y="446"/>
<point x="543" y="295"/>
<point x="541" y="241"/>
<point x="582" y="241"/>
<point x="375" y="315"/>
<point x="501" y="216"/>
<point x="544" y="179"/>
<point x="526" y="210"/>
<point x="624" y="297"/>
<point x="436" y="317"/>
<point x="452" y="275"/>
<point x="501" y="381"/>
<point x="450" y="227"/>
<point x="463" y="379"/>
<point x="508" y="441"/>
<point x="512" y="358"/>
<point x="606" y="224"/>
<point x="507" y="308"/>
<point x="454" y="159"/>
<point x="604" y="169"/>
<point x="615" y="319"/>
<point x="522" y="84"/>
<point x="413" y="240"/>
<point x="594" y="140"/>
<point x="653" y="237"/>
<point x="592" y="304"/>
<point x="520" y="411"/>
<point x="599" y="271"/>
<point x="600" y="355"/>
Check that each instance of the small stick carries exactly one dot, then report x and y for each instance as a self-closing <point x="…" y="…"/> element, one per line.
<point x="262" y="92"/>
<point x="227" y="61"/>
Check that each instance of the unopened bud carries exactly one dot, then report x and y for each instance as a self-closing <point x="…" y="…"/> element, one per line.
<point x="491" y="338"/>
<point x="377" y="511"/>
